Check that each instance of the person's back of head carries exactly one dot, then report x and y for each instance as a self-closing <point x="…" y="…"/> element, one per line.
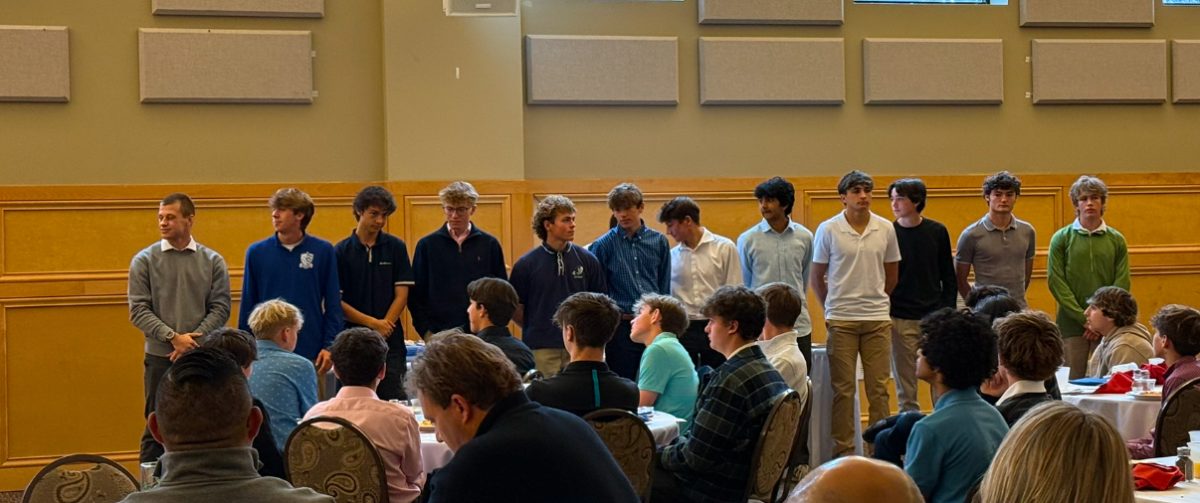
<point x="237" y="343"/>
<point x="854" y="479"/>
<point x="203" y="403"/>
<point x="460" y="364"/>
<point x="980" y="292"/>
<point x="269" y="318"/>
<point x="592" y="317"/>
<point x="359" y="355"/>
<point x="497" y="296"/>
<point x="1181" y="325"/>
<point x="1030" y="345"/>
<point x="959" y="345"/>
<point x="784" y="303"/>
<point x="997" y="306"/>
<point x="1058" y="453"/>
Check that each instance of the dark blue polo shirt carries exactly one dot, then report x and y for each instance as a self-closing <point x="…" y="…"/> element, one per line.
<point x="543" y="278"/>
<point x="369" y="275"/>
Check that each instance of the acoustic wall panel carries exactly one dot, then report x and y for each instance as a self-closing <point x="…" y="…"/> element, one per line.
<point x="1133" y="13"/>
<point x="254" y="8"/>
<point x="594" y="70"/>
<point x="35" y="63"/>
<point x="767" y="71"/>
<point x="771" y="11"/>
<point x="933" y="71"/>
<point x="480" y="7"/>
<point x="1099" y="71"/>
<point x="1185" y="71"/>
<point x="231" y="66"/>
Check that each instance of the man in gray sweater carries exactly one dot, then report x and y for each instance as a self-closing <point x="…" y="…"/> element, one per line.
<point x="178" y="291"/>
<point x="206" y="421"/>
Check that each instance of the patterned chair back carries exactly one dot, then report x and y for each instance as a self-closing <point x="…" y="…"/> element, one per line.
<point x="1180" y="414"/>
<point x="631" y="444"/>
<point x="774" y="447"/>
<point x="332" y="456"/>
<point x="797" y="465"/>
<point x="101" y="480"/>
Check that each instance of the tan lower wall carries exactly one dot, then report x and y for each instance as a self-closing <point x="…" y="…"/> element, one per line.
<point x="70" y="372"/>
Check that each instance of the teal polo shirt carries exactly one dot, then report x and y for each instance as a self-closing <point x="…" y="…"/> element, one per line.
<point x="667" y="369"/>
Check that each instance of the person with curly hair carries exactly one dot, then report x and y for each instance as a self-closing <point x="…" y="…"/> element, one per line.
<point x="999" y="246"/>
<point x="1112" y="313"/>
<point x="949" y="450"/>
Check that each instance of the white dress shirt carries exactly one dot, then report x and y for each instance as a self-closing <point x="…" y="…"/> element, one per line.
<point x="697" y="273"/>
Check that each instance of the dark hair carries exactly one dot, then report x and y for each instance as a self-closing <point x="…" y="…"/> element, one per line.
<point x="297" y="201"/>
<point x="738" y="303"/>
<point x="374" y="195"/>
<point x="670" y="309"/>
<point x="186" y="206"/>
<point x="593" y="317"/>
<point x="1181" y="325"/>
<point x="1030" y="345"/>
<point x="239" y="344"/>
<point x="358" y="355"/>
<point x="996" y="306"/>
<point x="1116" y="303"/>
<point x="784" y="303"/>
<point x="624" y="196"/>
<point x="547" y="210"/>
<point x="497" y="296"/>
<point x="912" y="188"/>
<point x="854" y="179"/>
<point x="780" y="190"/>
<point x="1003" y="181"/>
<point x="461" y="364"/>
<point x="960" y="345"/>
<point x="202" y="401"/>
<point x="679" y="208"/>
<point x="980" y="292"/>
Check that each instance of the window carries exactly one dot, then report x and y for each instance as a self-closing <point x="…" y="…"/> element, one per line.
<point x="975" y="2"/>
<point x="1181" y="2"/>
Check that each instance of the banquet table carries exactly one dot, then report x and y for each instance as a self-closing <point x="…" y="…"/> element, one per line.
<point x="1183" y="492"/>
<point x="1134" y="418"/>
<point x="434" y="454"/>
<point x="820" y="436"/>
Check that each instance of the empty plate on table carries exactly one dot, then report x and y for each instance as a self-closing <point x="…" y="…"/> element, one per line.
<point x="1152" y="395"/>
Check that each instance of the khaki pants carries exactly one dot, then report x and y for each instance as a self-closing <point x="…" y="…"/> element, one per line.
<point x="1078" y="350"/>
<point x="550" y="361"/>
<point x="905" y="336"/>
<point x="848" y="340"/>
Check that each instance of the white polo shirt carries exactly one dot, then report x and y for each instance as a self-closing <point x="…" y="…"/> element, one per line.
<point x="856" y="276"/>
<point x="697" y="273"/>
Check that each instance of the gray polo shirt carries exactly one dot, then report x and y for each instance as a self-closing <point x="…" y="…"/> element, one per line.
<point x="998" y="255"/>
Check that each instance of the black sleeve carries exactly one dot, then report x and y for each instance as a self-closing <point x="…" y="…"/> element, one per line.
<point x="264" y="443"/>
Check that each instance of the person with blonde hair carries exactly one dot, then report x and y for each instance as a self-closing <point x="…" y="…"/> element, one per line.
<point x="284" y="381"/>
<point x="1059" y="453"/>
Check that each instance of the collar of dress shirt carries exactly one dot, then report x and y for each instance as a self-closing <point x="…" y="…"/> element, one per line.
<point x="164" y="245"/>
<point x="1078" y="227"/>
<point x="1020" y="388"/>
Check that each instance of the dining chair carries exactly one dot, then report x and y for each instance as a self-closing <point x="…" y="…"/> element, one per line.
<point x="1180" y="413"/>
<point x="98" y="480"/>
<point x="774" y="447"/>
<point x="332" y="456"/>
<point x="631" y="444"/>
<point x="798" y="460"/>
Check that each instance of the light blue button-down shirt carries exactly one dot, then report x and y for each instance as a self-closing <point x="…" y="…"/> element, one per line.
<point x="786" y="257"/>
<point x="286" y="383"/>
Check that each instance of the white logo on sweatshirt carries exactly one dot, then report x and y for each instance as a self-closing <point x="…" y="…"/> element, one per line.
<point x="306" y="260"/>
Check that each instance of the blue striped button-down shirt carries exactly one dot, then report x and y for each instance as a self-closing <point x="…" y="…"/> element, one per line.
<point x="768" y="256"/>
<point x="634" y="265"/>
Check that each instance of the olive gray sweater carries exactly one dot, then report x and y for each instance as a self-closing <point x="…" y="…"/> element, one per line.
<point x="177" y="291"/>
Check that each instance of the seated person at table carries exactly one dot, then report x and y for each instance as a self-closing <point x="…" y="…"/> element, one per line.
<point x="778" y="339"/>
<point x="855" y="478"/>
<point x="1112" y="315"/>
<point x="360" y="363"/>
<point x="588" y="320"/>
<point x="1031" y="349"/>
<point x="950" y="449"/>
<point x="712" y="462"/>
<point x="1059" y="453"/>
<point x="1176" y="341"/>
<point x="506" y="448"/>
<point x="493" y="302"/>
<point x="666" y="376"/>
<point x="205" y="421"/>
<point x="285" y="381"/>
<point x="980" y="292"/>
<point x="240" y="346"/>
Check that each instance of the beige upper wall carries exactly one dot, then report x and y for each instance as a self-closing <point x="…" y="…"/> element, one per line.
<point x="104" y="135"/>
<point x="694" y="141"/>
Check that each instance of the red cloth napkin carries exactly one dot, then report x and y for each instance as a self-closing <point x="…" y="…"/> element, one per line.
<point x="1157" y="372"/>
<point x="1155" y="476"/>
<point x="1118" y="383"/>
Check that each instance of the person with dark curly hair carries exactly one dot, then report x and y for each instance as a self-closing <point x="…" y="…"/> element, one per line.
<point x="949" y="450"/>
<point x="1112" y="313"/>
<point x="999" y="246"/>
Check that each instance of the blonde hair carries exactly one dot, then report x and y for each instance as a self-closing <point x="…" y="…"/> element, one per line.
<point x="459" y="192"/>
<point x="295" y="200"/>
<point x="1058" y="453"/>
<point x="270" y="317"/>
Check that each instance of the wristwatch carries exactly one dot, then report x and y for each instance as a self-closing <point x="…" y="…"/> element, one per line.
<point x="171" y="336"/>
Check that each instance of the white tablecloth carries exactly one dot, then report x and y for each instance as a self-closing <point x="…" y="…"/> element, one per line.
<point x="820" y="435"/>
<point x="1183" y="492"/>
<point x="1133" y="418"/>
<point x="434" y="454"/>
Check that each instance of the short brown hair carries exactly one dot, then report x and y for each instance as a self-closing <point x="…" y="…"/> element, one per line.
<point x="1030" y="345"/>
<point x="459" y="192"/>
<point x="678" y="209"/>
<point x="670" y="309"/>
<point x="547" y="210"/>
<point x="297" y="201"/>
<point x="186" y="207"/>
<point x="593" y="317"/>
<point x="497" y="296"/>
<point x="358" y="355"/>
<point x="625" y="196"/>
<point x="1116" y="303"/>
<point x="238" y="343"/>
<point x="1088" y="185"/>
<point x="738" y="303"/>
<point x="461" y="364"/>
<point x="1181" y="325"/>
<point x="784" y="303"/>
